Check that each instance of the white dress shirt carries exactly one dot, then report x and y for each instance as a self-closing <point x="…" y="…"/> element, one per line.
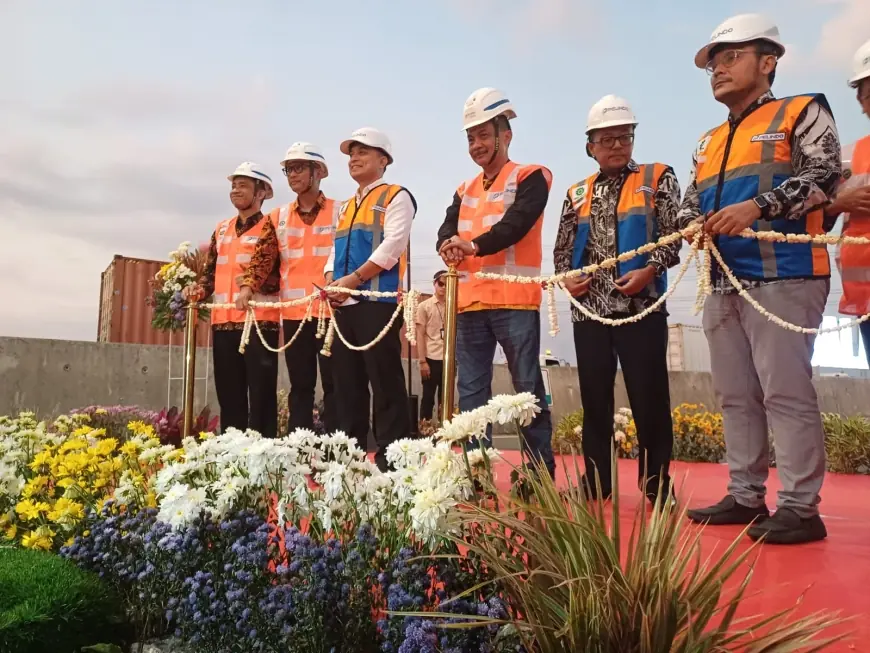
<point x="398" y="219"/>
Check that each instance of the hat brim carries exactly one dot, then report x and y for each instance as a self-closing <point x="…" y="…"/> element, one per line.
<point x="611" y="123"/>
<point x="510" y="114"/>
<point x="269" y="192"/>
<point x="703" y="55"/>
<point x="857" y="79"/>
<point x="346" y="145"/>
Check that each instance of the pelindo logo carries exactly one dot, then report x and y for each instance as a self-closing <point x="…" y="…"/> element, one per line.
<point x="723" y="32"/>
<point x="608" y="109"/>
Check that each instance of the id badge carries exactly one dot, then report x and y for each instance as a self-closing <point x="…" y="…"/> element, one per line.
<point x="442" y="333"/>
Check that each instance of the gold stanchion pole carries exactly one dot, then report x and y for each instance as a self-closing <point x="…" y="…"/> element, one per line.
<point x="448" y="379"/>
<point x="189" y="375"/>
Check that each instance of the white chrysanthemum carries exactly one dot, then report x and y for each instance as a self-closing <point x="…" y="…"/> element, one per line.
<point x="182" y="505"/>
<point x="409" y="453"/>
<point x="332" y="480"/>
<point x="429" y="514"/>
<point x="520" y="408"/>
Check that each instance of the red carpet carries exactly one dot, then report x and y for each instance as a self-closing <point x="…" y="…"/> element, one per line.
<point x="832" y="575"/>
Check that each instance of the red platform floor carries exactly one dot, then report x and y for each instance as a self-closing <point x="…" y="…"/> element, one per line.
<point x="832" y="575"/>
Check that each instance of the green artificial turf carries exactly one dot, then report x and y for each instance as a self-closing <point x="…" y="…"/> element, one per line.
<point x="48" y="605"/>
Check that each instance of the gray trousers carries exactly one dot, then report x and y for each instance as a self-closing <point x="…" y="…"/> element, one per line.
<point x="762" y="376"/>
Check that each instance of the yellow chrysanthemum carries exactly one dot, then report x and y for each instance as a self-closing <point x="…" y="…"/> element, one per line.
<point x="29" y="510"/>
<point x="66" y="512"/>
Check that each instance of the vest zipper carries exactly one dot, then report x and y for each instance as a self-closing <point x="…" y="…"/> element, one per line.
<point x="350" y="228"/>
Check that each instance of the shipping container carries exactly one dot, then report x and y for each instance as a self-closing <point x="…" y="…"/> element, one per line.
<point x="125" y="316"/>
<point x="687" y="349"/>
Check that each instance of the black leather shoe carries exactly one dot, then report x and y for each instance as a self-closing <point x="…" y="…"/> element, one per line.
<point x="728" y="512"/>
<point x="787" y="527"/>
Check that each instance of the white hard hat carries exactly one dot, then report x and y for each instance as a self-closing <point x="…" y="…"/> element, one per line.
<point x="741" y="29"/>
<point x="306" y="152"/>
<point x="484" y="105"/>
<point x="371" y="137"/>
<point x="861" y="65"/>
<point x="610" y="111"/>
<point x="254" y="171"/>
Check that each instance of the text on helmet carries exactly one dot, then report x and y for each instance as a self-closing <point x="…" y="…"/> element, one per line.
<point x="722" y="32"/>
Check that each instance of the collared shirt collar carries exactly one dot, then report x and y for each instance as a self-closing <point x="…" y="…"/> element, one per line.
<point x="764" y="98"/>
<point x="321" y="200"/>
<point x="631" y="166"/>
<point x="362" y="193"/>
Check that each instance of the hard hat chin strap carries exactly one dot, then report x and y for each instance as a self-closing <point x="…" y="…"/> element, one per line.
<point x="495" y="150"/>
<point x="311" y="166"/>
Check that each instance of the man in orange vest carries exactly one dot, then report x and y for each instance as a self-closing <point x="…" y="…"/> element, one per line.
<point x="619" y="208"/>
<point x="853" y="199"/>
<point x="305" y="228"/>
<point x="243" y="266"/>
<point x="494" y="225"/>
<point x="769" y="166"/>
<point x="370" y="253"/>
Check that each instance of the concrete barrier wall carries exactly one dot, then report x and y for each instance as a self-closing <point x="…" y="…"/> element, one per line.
<point x="52" y="376"/>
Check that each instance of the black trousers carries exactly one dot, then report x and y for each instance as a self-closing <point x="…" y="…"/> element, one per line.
<point x="641" y="348"/>
<point x="303" y="357"/>
<point x="381" y="367"/>
<point x="246" y="384"/>
<point x="431" y="387"/>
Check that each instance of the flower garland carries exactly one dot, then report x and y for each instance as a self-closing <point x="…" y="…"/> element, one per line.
<point x="407" y="303"/>
<point x="770" y="316"/>
<point x="333" y="329"/>
<point x="650" y="309"/>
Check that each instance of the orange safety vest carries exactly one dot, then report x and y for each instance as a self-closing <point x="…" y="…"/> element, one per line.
<point x="304" y="251"/>
<point x="636" y="220"/>
<point x="855" y="259"/>
<point x="481" y="209"/>
<point x="737" y="163"/>
<point x="233" y="256"/>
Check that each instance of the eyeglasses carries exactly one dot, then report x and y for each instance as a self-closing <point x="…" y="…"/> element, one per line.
<point x="294" y="167"/>
<point x="611" y="141"/>
<point x="726" y="59"/>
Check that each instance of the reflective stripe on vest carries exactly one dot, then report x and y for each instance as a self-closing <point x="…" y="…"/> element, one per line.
<point x="304" y="251"/>
<point x="359" y="233"/>
<point x="637" y="220"/>
<point x="855" y="259"/>
<point x="234" y="253"/>
<point x="481" y="209"/>
<point x="737" y="165"/>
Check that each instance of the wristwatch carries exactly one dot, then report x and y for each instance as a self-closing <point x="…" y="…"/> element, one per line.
<point x="763" y="205"/>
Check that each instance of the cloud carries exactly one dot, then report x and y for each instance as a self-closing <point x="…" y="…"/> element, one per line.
<point x="113" y="168"/>
<point x="530" y="21"/>
<point x="839" y="38"/>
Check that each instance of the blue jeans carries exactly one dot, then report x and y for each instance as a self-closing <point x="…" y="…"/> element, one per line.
<point x="519" y="334"/>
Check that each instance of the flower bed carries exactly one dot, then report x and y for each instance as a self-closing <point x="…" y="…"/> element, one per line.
<point x="699" y="436"/>
<point x="233" y="542"/>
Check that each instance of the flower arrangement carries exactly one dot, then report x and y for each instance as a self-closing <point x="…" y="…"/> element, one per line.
<point x="53" y="475"/>
<point x="167" y="300"/>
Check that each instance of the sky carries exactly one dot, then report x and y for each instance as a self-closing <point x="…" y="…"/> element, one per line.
<point x="119" y="121"/>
